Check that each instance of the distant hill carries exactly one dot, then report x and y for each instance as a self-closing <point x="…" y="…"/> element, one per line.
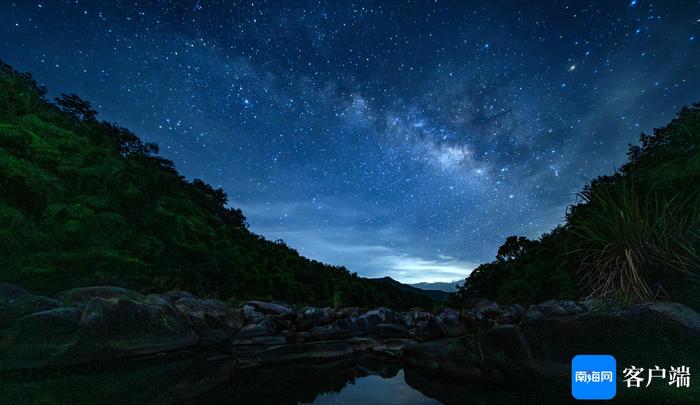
<point x="442" y="286"/>
<point x="86" y="202"/>
<point x="437" y="295"/>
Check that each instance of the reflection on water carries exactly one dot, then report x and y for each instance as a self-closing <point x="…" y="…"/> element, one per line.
<point x="377" y="390"/>
<point x="208" y="378"/>
<point x="363" y="380"/>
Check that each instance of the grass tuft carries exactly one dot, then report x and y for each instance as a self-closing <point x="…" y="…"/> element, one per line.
<point x="632" y="244"/>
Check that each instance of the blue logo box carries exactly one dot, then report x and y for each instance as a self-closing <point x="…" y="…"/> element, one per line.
<point x="593" y="376"/>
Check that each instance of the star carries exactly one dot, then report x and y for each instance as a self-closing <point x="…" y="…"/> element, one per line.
<point x="372" y="137"/>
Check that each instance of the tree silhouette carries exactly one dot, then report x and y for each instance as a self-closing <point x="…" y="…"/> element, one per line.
<point x="80" y="109"/>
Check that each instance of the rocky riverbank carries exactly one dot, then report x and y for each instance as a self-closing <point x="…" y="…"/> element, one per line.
<point x="93" y="324"/>
<point x="485" y="343"/>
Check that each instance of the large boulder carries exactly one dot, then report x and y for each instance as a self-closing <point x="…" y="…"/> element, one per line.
<point x="391" y="330"/>
<point x="82" y="295"/>
<point x="251" y="315"/>
<point x="447" y="323"/>
<point x="339" y="329"/>
<point x="651" y="333"/>
<point x="484" y="308"/>
<point x="120" y="327"/>
<point x="14" y="306"/>
<point x="353" y="326"/>
<point x="266" y="332"/>
<point x="541" y="347"/>
<point x="41" y="339"/>
<point x="381" y="315"/>
<point x="270" y="308"/>
<point x="411" y="318"/>
<point x="11" y="290"/>
<point x="316" y="351"/>
<point x="308" y="317"/>
<point x="595" y="304"/>
<point x="510" y="315"/>
<point x="391" y="347"/>
<point x="370" y="319"/>
<point x="347" y="312"/>
<point x="552" y="308"/>
<point x="174" y="296"/>
<point x="424" y="331"/>
<point x="96" y="323"/>
<point x="211" y="319"/>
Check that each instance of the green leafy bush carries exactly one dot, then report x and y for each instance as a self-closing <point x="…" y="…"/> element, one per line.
<point x="634" y="235"/>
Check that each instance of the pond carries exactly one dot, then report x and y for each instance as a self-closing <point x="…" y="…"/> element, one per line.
<point x="210" y="378"/>
<point x="376" y="390"/>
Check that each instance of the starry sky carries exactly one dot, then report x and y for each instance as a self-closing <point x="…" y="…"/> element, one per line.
<point x="406" y="138"/>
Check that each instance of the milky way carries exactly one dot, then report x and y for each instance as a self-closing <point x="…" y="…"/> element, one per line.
<point x="400" y="138"/>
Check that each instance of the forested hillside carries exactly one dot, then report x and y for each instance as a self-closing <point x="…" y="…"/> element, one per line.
<point x="86" y="202"/>
<point x="633" y="236"/>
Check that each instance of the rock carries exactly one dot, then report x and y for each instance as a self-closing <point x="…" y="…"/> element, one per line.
<point x="381" y="314"/>
<point x="423" y="331"/>
<point x="370" y="319"/>
<point x="303" y="337"/>
<point x="347" y="312"/>
<point x="309" y="317"/>
<point x="510" y="315"/>
<point x="485" y="308"/>
<point x="262" y="341"/>
<point x="270" y="308"/>
<point x="391" y="330"/>
<point x="449" y="315"/>
<point x="41" y="339"/>
<point x="11" y="290"/>
<point x="316" y="351"/>
<point x="649" y="334"/>
<point x="331" y="332"/>
<point x="15" y="305"/>
<point x="594" y="304"/>
<point x="446" y="324"/>
<point x="264" y="328"/>
<point x="84" y="294"/>
<point x="267" y="332"/>
<point x="119" y="327"/>
<point x="551" y="308"/>
<point x="211" y="319"/>
<point x="391" y="347"/>
<point x="175" y="295"/>
<point x="411" y="318"/>
<point x="541" y="347"/>
<point x="476" y="323"/>
<point x="353" y="326"/>
<point x="251" y="315"/>
<point x="673" y="313"/>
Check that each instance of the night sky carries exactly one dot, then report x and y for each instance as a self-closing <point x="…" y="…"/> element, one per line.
<point x="405" y="139"/>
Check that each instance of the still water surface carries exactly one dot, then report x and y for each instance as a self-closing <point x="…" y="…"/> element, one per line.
<point x="212" y="379"/>
<point x="376" y="390"/>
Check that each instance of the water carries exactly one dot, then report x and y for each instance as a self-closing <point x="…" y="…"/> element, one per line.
<point x="208" y="378"/>
<point x="211" y="378"/>
<point x="376" y="390"/>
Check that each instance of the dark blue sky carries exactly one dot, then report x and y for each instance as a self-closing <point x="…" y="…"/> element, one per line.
<point x="397" y="138"/>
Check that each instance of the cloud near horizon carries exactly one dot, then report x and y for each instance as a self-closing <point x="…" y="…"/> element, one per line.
<point x="345" y="246"/>
<point x="410" y="269"/>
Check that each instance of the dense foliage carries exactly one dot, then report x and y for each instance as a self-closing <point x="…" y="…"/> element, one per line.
<point x="85" y="202"/>
<point x="633" y="236"/>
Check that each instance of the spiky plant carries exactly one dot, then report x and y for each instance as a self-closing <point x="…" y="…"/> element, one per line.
<point x="633" y="245"/>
